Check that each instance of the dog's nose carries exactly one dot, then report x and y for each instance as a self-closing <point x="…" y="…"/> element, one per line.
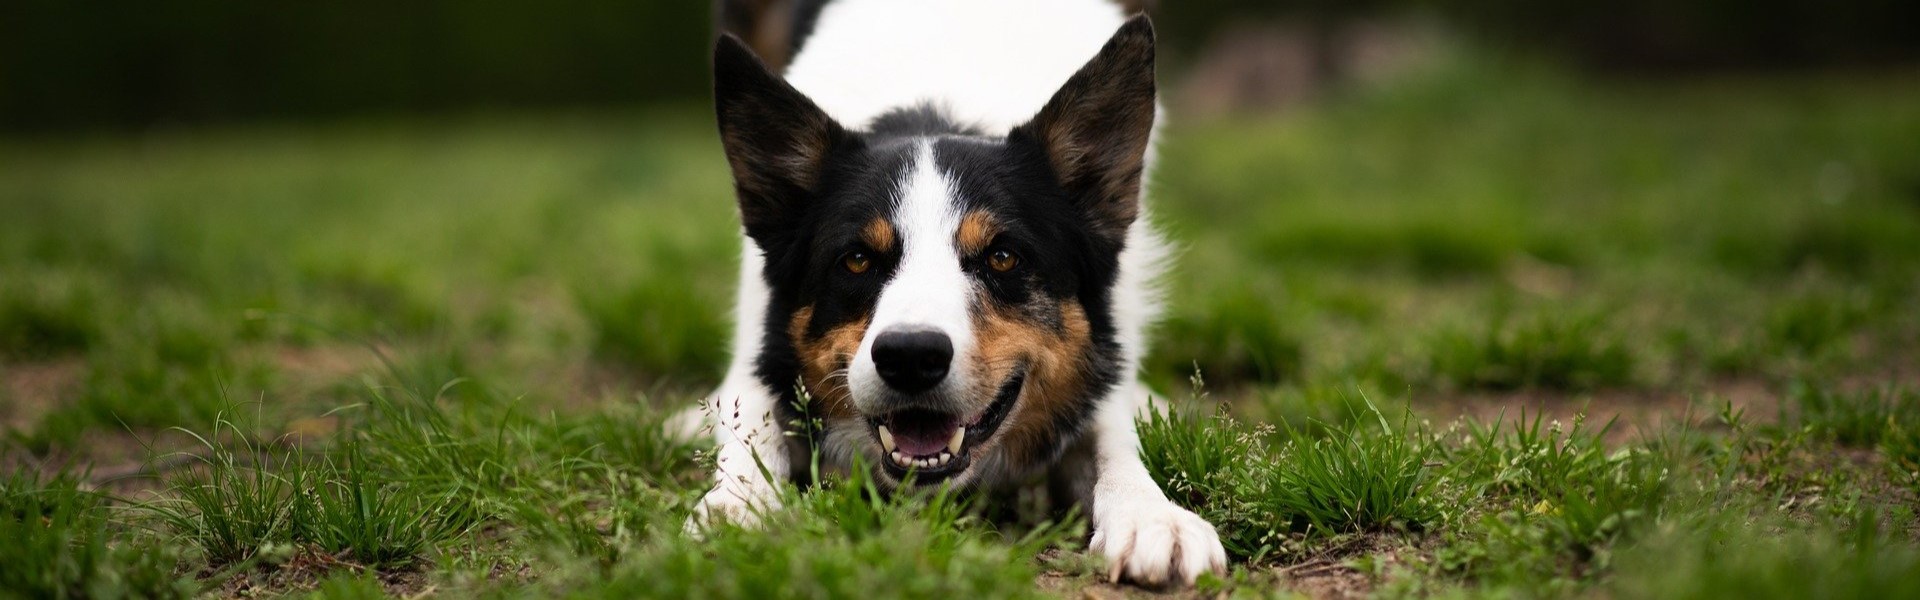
<point x="912" y="361"/>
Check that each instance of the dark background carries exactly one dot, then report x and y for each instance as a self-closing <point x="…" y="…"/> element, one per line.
<point x="82" y="65"/>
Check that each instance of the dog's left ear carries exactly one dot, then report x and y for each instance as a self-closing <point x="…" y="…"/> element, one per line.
<point x="1094" y="131"/>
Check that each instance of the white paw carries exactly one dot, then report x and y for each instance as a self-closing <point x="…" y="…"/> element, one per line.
<point x="1156" y="543"/>
<point x="738" y="504"/>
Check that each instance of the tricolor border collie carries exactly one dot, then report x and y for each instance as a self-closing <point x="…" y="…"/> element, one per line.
<point x="947" y="265"/>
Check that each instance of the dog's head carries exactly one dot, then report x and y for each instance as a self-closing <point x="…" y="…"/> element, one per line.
<point x="942" y="296"/>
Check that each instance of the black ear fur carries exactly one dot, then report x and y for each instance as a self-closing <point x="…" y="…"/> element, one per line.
<point x="776" y="139"/>
<point x="1094" y="131"/>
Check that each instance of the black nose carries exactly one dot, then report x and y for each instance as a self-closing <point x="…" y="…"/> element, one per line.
<point x="912" y="361"/>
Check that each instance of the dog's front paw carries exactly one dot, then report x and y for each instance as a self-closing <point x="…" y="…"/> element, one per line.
<point x="738" y="504"/>
<point x="1156" y="543"/>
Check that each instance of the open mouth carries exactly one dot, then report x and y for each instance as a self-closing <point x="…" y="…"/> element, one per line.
<point x="935" y="444"/>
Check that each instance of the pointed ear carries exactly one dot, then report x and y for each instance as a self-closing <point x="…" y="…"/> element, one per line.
<point x="1094" y="131"/>
<point x="777" y="140"/>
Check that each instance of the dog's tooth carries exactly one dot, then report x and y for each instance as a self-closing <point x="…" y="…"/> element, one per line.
<point x="959" y="436"/>
<point x="899" y="459"/>
<point x="886" y="438"/>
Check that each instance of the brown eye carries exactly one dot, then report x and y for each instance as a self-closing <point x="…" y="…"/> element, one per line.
<point x="1002" y="261"/>
<point x="857" y="262"/>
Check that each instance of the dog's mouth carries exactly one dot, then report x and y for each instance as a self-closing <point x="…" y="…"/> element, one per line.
<point x="935" y="445"/>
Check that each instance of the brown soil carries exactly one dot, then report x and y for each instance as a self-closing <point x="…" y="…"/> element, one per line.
<point x="28" y="390"/>
<point x="1632" y="412"/>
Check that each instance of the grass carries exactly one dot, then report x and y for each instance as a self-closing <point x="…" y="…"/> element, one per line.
<point x="1486" y="329"/>
<point x="64" y="542"/>
<point x="1352" y="479"/>
<point x="1774" y="560"/>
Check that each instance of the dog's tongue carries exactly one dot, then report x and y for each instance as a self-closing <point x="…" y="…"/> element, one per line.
<point x="923" y="434"/>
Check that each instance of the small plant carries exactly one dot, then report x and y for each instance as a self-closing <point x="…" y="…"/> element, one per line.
<point x="234" y="503"/>
<point x="1356" y="479"/>
<point x="383" y="524"/>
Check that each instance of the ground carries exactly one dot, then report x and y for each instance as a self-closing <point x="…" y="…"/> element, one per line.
<point x="1483" y="329"/>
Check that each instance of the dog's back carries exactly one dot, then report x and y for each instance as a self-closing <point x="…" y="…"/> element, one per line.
<point x="988" y="64"/>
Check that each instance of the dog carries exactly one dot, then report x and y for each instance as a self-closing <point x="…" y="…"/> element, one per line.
<point x="947" y="267"/>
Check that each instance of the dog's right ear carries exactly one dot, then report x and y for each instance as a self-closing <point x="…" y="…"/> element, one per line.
<point x="777" y="140"/>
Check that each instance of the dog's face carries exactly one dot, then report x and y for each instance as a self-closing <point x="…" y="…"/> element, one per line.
<point x="940" y="295"/>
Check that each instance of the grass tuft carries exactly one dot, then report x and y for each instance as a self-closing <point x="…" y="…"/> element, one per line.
<point x="1260" y="495"/>
<point x="351" y="513"/>
<point x="245" y="498"/>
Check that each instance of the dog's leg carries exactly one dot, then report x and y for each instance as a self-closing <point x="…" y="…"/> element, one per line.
<point x="1145" y="537"/>
<point x="752" y="458"/>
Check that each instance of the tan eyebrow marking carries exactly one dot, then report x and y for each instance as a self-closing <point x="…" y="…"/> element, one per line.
<point x="878" y="234"/>
<point x="976" y="231"/>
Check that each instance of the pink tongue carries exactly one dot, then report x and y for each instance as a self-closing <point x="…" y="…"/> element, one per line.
<point x="922" y="437"/>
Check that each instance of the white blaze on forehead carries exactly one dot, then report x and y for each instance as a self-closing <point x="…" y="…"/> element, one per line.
<point x="928" y="290"/>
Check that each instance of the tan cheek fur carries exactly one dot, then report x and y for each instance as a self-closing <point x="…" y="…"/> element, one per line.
<point x="824" y="360"/>
<point x="1056" y="369"/>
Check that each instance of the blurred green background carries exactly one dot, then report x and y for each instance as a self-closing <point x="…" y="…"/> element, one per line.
<point x="206" y="201"/>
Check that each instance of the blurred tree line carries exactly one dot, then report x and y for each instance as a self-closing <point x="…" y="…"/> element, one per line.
<point x="1630" y="35"/>
<point x="68" y="64"/>
<point x="116" y="64"/>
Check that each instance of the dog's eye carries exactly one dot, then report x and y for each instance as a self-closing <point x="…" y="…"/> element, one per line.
<point x="1002" y="261"/>
<point x="857" y="262"/>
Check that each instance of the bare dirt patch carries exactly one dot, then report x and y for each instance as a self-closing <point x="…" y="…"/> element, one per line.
<point x="31" y="389"/>
<point x="307" y="567"/>
<point x="1631" y="411"/>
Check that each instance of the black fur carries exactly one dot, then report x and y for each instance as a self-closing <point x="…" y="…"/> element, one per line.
<point x="925" y="119"/>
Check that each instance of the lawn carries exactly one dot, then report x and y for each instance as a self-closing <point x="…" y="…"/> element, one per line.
<point x="1486" y="329"/>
